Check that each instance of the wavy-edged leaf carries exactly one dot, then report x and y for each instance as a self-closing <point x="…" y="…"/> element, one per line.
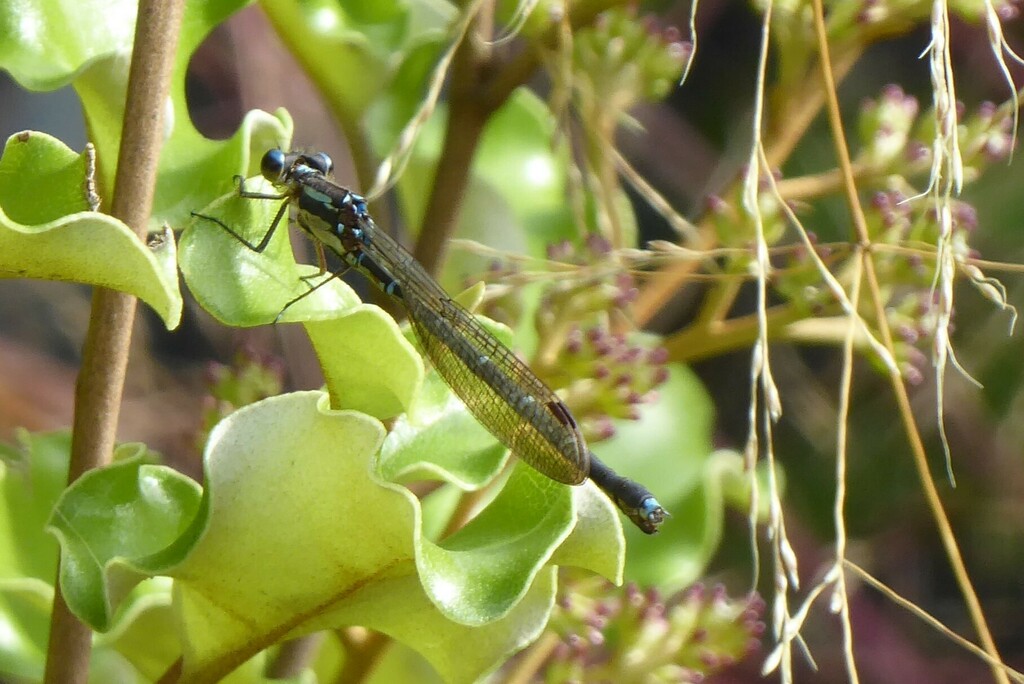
<point x="60" y="239"/>
<point x="114" y="525"/>
<point x="367" y="363"/>
<point x="337" y="546"/>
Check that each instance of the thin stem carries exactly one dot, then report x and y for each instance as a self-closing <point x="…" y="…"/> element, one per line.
<point x="294" y="656"/>
<point x="363" y="650"/>
<point x="698" y="342"/>
<point x="902" y="399"/>
<point x="480" y="84"/>
<point x="467" y="115"/>
<point x="791" y="127"/>
<point x="105" y="352"/>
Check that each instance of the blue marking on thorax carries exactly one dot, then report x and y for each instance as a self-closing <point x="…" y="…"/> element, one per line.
<point x="318" y="196"/>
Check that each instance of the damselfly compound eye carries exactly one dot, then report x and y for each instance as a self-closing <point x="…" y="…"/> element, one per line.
<point x="321" y="162"/>
<point x="273" y="165"/>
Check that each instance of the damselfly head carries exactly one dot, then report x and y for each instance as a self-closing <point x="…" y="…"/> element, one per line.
<point x="321" y="162"/>
<point x="278" y="167"/>
<point x="274" y="165"/>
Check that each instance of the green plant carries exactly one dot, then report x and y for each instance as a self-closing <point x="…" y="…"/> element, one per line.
<point x="304" y="522"/>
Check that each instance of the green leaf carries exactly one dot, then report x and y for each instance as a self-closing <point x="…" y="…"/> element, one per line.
<point x="114" y="525"/>
<point x="87" y="44"/>
<point x="25" y="606"/>
<point x="46" y="43"/>
<point x="437" y="438"/>
<point x="365" y="39"/>
<point x="337" y="546"/>
<point x="241" y="287"/>
<point x="669" y="450"/>
<point x="32" y="475"/>
<point x="60" y="239"/>
<point x="143" y="631"/>
<point x="367" y="363"/>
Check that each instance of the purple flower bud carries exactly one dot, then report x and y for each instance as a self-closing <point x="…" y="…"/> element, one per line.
<point x="907" y="333"/>
<point x="629" y="355"/>
<point x="996" y="147"/>
<point x="716" y="204"/>
<point x="560" y="251"/>
<point x="913" y="376"/>
<point x="917" y="151"/>
<point x="680" y="50"/>
<point x="965" y="216"/>
<point x="214" y="372"/>
<point x="709" y="660"/>
<point x="893" y="92"/>
<point x="627" y="297"/>
<point x="658" y="355"/>
<point x="655" y="612"/>
<point x="605" y="429"/>
<point x="598" y="244"/>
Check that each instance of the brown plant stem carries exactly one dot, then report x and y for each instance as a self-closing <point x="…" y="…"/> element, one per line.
<point x="105" y="352"/>
<point x="363" y="650"/>
<point x="480" y="84"/>
<point x="294" y="656"/>
<point x="700" y="342"/>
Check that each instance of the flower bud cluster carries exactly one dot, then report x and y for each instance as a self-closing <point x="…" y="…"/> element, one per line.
<point x="622" y="59"/>
<point x="898" y="139"/>
<point x="250" y="378"/>
<point x="607" y="632"/>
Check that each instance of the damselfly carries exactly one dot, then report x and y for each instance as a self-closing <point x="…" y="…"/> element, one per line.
<point x="497" y="387"/>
